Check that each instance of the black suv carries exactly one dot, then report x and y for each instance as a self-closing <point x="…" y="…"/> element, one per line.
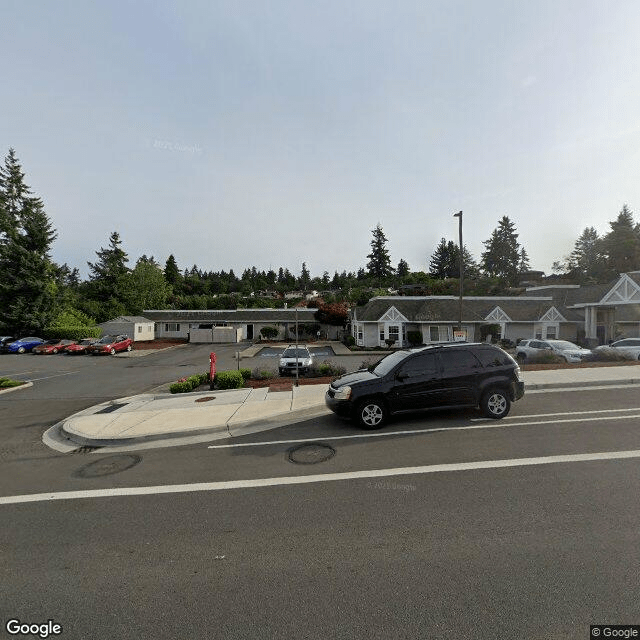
<point x="452" y="375"/>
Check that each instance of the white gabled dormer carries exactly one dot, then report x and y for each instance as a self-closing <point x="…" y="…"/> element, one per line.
<point x="393" y="315"/>
<point x="625" y="291"/>
<point x="498" y="315"/>
<point x="552" y="315"/>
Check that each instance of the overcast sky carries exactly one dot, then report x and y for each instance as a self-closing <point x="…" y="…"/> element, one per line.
<point x="234" y="134"/>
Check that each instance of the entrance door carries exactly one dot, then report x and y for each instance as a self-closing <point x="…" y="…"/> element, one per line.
<point x="249" y="332"/>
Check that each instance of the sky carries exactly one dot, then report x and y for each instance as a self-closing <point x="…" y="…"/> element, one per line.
<point x="272" y="133"/>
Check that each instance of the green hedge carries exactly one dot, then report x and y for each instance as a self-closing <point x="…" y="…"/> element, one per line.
<point x="71" y="333"/>
<point x="184" y="385"/>
<point x="246" y="373"/>
<point x="229" y="380"/>
<point x="6" y="383"/>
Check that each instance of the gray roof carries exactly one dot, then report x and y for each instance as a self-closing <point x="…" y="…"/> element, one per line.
<point x="121" y="319"/>
<point x="232" y="315"/>
<point x="474" y="309"/>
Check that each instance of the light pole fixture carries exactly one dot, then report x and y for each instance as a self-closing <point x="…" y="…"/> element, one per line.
<point x="459" y="216"/>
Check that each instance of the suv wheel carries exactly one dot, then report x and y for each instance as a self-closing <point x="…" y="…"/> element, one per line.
<point x="495" y="403"/>
<point x="113" y="351"/>
<point x="371" y="414"/>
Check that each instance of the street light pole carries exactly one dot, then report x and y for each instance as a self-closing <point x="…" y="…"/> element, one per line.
<point x="459" y="216"/>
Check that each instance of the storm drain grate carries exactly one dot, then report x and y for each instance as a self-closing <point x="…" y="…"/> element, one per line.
<point x="85" y="449"/>
<point x="311" y="453"/>
<point x="207" y="399"/>
<point x="111" y="407"/>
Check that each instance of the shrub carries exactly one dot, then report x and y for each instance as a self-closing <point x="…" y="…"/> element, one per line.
<point x="607" y="354"/>
<point x="269" y="333"/>
<point x="414" y="337"/>
<point x="260" y="373"/>
<point x="390" y="342"/>
<point x="350" y="341"/>
<point x="229" y="380"/>
<point x="324" y="369"/>
<point x="184" y="385"/>
<point x="180" y="387"/>
<point x="71" y="333"/>
<point x="7" y="383"/>
<point x="368" y="363"/>
<point x="547" y="358"/>
<point x="246" y="373"/>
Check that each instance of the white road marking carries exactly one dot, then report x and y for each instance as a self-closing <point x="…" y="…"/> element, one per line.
<point x="493" y="424"/>
<point x="57" y="375"/>
<point x="328" y="477"/>
<point x="564" y="413"/>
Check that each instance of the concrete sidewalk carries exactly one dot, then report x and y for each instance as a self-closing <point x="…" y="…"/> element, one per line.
<point x="222" y="414"/>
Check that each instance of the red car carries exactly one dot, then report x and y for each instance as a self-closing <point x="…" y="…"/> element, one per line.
<point x="111" y="344"/>
<point x="80" y="347"/>
<point x="53" y="346"/>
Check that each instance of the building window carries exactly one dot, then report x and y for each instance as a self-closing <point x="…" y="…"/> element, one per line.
<point x="172" y="326"/>
<point x="438" y="334"/>
<point x="139" y="328"/>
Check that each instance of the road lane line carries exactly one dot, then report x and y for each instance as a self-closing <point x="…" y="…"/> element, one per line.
<point x="328" y="477"/>
<point x="492" y="425"/>
<point x="57" y="375"/>
<point x="563" y="413"/>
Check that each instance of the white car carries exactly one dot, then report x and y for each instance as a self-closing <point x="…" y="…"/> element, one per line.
<point x="628" y="347"/>
<point x="532" y="350"/>
<point x="295" y="357"/>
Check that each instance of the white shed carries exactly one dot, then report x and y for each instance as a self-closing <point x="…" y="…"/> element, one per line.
<point x="136" y="327"/>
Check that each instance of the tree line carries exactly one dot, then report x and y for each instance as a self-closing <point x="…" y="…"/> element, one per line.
<point x="36" y="293"/>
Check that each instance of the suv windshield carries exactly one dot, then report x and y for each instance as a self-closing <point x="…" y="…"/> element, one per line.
<point x="388" y="362"/>
<point x="291" y="353"/>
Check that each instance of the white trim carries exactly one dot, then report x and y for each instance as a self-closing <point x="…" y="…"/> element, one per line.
<point x="393" y="316"/>
<point x="498" y="315"/>
<point x="625" y="291"/>
<point x="553" y="315"/>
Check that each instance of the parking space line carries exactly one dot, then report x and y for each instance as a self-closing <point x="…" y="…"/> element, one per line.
<point x="327" y="477"/>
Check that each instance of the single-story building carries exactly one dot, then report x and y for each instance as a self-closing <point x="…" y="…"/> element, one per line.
<point x="137" y="328"/>
<point x="592" y="314"/>
<point x="180" y="323"/>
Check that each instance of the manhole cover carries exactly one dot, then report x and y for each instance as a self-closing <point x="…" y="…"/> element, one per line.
<point x="107" y="466"/>
<point x="311" y="453"/>
<point x="205" y="399"/>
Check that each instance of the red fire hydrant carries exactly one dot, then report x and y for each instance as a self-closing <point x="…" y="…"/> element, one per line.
<point x="212" y="369"/>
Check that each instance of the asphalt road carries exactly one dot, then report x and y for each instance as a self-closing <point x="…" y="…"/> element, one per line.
<point x="477" y="549"/>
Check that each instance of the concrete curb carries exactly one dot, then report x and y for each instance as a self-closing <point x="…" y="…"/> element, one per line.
<point x="26" y="385"/>
<point x="61" y="439"/>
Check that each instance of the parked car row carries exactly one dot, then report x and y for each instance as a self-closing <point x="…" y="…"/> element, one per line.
<point x="535" y="350"/>
<point x="105" y="345"/>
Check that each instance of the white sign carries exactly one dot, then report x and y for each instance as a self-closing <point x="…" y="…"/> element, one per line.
<point x="460" y="336"/>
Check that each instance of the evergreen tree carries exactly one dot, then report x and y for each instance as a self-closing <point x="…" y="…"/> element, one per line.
<point x="305" y="277"/>
<point x="502" y="256"/>
<point x="379" y="265"/>
<point x="587" y="262"/>
<point x="622" y="244"/>
<point x="524" y="264"/>
<point x="445" y="261"/>
<point x="403" y="268"/>
<point x="28" y="290"/>
<point x="171" y="272"/>
<point x="108" y="280"/>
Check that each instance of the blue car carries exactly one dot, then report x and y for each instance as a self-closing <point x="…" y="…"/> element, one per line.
<point x="22" y="344"/>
